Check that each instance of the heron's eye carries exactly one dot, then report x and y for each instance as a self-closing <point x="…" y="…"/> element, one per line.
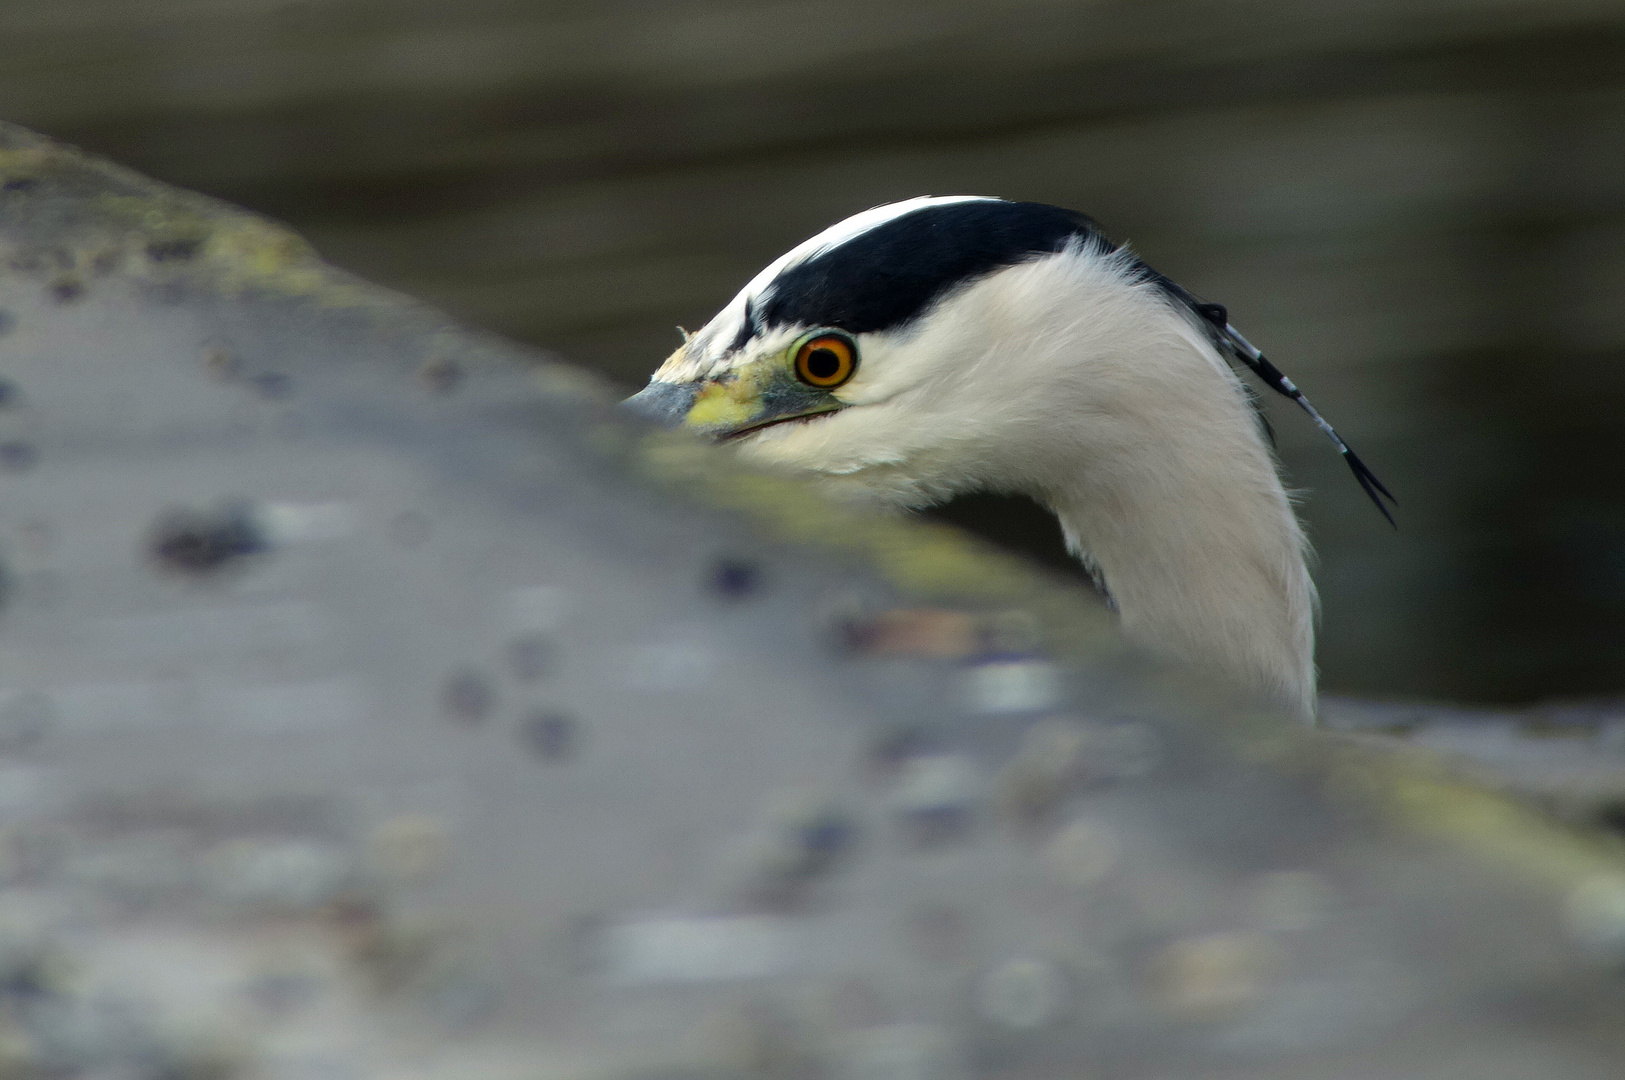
<point x="826" y="361"/>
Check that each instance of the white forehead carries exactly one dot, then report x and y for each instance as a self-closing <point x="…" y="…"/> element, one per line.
<point x="717" y="334"/>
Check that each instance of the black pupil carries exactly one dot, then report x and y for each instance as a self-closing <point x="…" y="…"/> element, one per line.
<point x="823" y="364"/>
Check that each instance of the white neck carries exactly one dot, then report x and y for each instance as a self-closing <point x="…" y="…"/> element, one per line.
<point x="1068" y="380"/>
<point x="1163" y="480"/>
<point x="1199" y="548"/>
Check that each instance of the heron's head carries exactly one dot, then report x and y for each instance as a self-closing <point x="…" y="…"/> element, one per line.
<point x="942" y="345"/>
<point x="885" y="352"/>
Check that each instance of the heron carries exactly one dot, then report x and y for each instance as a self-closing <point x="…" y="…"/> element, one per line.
<point x="952" y="344"/>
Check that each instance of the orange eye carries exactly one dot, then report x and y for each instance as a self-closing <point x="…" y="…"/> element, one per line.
<point x="826" y="361"/>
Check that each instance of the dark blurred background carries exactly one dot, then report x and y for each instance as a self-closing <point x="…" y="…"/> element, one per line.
<point x="1415" y="207"/>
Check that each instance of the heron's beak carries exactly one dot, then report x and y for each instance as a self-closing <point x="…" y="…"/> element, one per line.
<point x="663" y="402"/>
<point x="755" y="396"/>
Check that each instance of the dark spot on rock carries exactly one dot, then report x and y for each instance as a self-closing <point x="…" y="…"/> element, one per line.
<point x="890" y="747"/>
<point x="935" y="797"/>
<point x="18" y="456"/>
<point x="441" y="376"/>
<point x="849" y="635"/>
<point x="105" y="261"/>
<point x="530" y="656"/>
<point x="221" y="362"/>
<point x="802" y="842"/>
<point x="735" y="579"/>
<point x="1611" y="816"/>
<point x="174" y="249"/>
<point x="273" y="384"/>
<point x="467" y="696"/>
<point x="9" y="394"/>
<point x="66" y="290"/>
<point x="19" y="184"/>
<point x="357" y="915"/>
<point x="824" y="837"/>
<point x="202" y="542"/>
<point x="551" y="735"/>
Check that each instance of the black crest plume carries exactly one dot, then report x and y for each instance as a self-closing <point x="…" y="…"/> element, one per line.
<point x="1247" y="353"/>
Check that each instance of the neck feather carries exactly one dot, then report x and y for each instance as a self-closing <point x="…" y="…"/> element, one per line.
<point x="1200" y="551"/>
<point x="1146" y="447"/>
<point x="1173" y="494"/>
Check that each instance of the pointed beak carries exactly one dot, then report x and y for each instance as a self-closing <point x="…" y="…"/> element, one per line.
<point x="747" y="398"/>
<point x="664" y="403"/>
<point x="731" y="406"/>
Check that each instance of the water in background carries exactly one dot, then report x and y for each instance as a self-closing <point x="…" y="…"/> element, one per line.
<point x="1416" y="207"/>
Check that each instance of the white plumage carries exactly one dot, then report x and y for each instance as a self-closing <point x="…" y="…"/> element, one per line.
<point x="1070" y="373"/>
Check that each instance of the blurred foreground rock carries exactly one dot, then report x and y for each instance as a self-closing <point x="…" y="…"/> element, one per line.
<point x="376" y="701"/>
<point x="1566" y="758"/>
